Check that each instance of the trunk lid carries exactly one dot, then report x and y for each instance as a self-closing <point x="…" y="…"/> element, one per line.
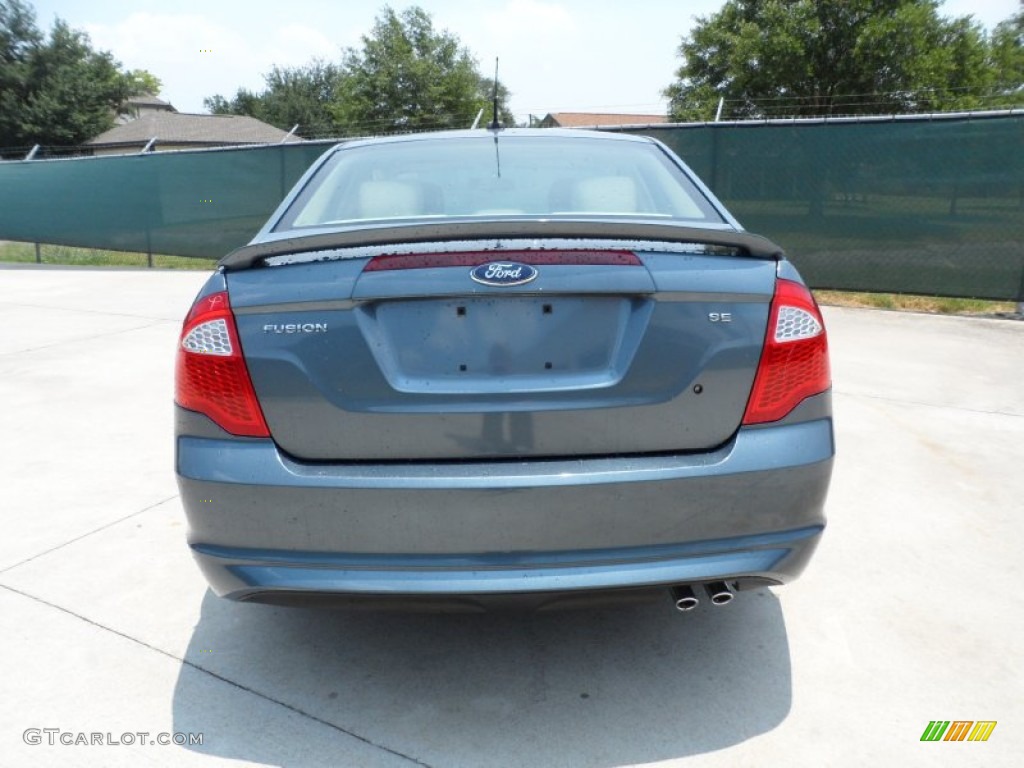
<point x="643" y="351"/>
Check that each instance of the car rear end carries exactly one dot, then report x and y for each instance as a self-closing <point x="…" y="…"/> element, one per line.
<point x="502" y="404"/>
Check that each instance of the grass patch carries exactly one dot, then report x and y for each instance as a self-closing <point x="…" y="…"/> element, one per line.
<point x="89" y="257"/>
<point x="941" y="305"/>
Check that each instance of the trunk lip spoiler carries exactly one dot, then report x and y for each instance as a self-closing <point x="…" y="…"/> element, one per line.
<point x="461" y="229"/>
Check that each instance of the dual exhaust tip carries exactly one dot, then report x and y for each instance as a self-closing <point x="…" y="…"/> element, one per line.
<point x="685" y="598"/>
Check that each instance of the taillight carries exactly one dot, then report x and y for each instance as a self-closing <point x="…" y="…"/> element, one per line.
<point x="794" y="362"/>
<point x="210" y="373"/>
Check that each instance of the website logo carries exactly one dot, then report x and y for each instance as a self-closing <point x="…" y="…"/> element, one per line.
<point x="958" y="730"/>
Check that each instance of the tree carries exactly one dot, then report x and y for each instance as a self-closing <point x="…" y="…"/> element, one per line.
<point x="141" y="81"/>
<point x="821" y="57"/>
<point x="18" y="33"/>
<point x="300" y="95"/>
<point x="57" y="90"/>
<point x="18" y="38"/>
<point x="505" y="116"/>
<point x="408" y="76"/>
<point x="1007" y="52"/>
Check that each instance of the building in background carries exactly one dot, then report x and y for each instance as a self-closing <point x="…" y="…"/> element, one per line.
<point x="149" y="118"/>
<point x="145" y="104"/>
<point x="597" y="119"/>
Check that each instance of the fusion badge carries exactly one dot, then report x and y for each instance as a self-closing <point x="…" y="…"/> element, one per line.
<point x="295" y="328"/>
<point x="503" y="273"/>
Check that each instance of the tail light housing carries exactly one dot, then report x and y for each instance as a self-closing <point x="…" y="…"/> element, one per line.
<point x="794" y="362"/>
<point x="210" y="373"/>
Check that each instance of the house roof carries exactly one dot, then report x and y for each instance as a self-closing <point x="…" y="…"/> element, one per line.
<point x="590" y="119"/>
<point x="204" y="130"/>
<point x="150" y="101"/>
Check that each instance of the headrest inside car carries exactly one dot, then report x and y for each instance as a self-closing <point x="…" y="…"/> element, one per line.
<point x="605" y="194"/>
<point x="389" y="200"/>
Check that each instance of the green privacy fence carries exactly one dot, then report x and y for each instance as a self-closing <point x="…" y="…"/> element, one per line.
<point x="187" y="203"/>
<point x="913" y="205"/>
<point x="930" y="205"/>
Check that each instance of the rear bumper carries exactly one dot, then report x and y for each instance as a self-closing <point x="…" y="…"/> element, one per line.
<point x="262" y="525"/>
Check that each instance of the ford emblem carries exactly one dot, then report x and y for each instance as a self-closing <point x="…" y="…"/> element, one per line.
<point x="503" y="273"/>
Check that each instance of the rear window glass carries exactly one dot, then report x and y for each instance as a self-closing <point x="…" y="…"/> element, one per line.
<point x="513" y="176"/>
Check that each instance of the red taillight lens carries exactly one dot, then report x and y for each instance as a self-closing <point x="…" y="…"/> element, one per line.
<point x="210" y="373"/>
<point x="794" y="363"/>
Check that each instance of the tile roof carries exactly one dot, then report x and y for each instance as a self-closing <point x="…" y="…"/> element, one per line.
<point x="590" y="119"/>
<point x="178" y="128"/>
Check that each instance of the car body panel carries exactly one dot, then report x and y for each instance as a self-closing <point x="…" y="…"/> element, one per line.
<point x="374" y="526"/>
<point x="434" y="437"/>
<point x="428" y="364"/>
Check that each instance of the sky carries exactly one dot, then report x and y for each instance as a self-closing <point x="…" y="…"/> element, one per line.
<point x="556" y="55"/>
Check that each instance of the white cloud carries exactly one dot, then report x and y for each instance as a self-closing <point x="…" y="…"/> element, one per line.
<point x="532" y="19"/>
<point x="988" y="12"/>
<point x="532" y="38"/>
<point x="191" y="55"/>
<point x="297" y="44"/>
<point x="195" y="57"/>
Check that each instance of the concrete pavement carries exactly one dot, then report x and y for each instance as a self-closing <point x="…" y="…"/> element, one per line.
<point x="910" y="612"/>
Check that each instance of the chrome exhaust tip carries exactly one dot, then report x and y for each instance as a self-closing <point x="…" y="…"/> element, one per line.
<point x="718" y="592"/>
<point x="684" y="598"/>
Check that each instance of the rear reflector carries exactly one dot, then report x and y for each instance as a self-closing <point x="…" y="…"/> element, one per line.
<point x="210" y="338"/>
<point x="794" y="363"/>
<point x="476" y="258"/>
<point x="210" y="373"/>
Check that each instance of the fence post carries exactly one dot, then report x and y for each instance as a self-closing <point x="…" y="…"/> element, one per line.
<point x="39" y="258"/>
<point x="1020" y="290"/>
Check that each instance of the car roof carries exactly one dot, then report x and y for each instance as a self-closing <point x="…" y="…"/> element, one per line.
<point x="481" y="133"/>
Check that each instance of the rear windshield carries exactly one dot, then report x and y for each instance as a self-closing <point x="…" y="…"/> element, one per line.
<point x="510" y="176"/>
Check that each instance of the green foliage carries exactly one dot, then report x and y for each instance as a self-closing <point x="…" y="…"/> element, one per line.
<point x="1008" y="60"/>
<point x="57" y="90"/>
<point x="821" y="57"/>
<point x="140" y="82"/>
<point x="74" y="92"/>
<point x="299" y="95"/>
<point x="505" y="116"/>
<point x="18" y="33"/>
<point x="405" y="76"/>
<point x="408" y="76"/>
<point x="18" y="38"/>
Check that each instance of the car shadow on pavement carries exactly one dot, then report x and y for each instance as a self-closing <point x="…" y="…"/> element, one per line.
<point x="603" y="687"/>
